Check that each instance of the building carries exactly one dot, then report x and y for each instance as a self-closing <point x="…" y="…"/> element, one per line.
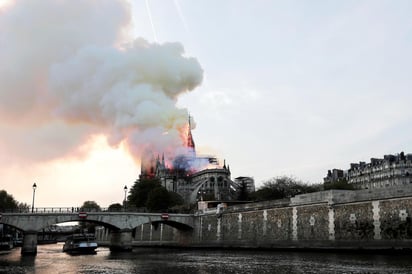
<point x="335" y="175"/>
<point x="391" y="170"/>
<point x="248" y="181"/>
<point x="193" y="177"/>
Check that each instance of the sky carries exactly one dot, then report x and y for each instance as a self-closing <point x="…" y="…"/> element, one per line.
<point x="274" y="88"/>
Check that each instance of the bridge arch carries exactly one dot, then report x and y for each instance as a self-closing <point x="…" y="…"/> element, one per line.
<point x="12" y="226"/>
<point x="177" y="225"/>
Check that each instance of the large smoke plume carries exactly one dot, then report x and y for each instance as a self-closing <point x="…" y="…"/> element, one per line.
<point x="69" y="71"/>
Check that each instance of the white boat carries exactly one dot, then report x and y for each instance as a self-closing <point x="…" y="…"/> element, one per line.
<point x="80" y="243"/>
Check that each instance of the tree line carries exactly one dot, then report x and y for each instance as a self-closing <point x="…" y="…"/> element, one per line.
<point x="146" y="194"/>
<point x="8" y="203"/>
<point x="288" y="186"/>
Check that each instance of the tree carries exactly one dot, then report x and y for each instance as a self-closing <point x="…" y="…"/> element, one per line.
<point x="90" y="206"/>
<point x="340" y="184"/>
<point x="115" y="207"/>
<point x="283" y="187"/>
<point x="175" y="199"/>
<point x="7" y="202"/>
<point x="158" y="199"/>
<point x="243" y="193"/>
<point x="139" y="192"/>
<point x="149" y="193"/>
<point x="23" y="207"/>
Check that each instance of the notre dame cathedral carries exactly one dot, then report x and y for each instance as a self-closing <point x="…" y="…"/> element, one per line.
<point x="193" y="177"/>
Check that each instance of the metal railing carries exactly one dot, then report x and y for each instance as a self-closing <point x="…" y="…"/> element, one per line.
<point x="69" y="210"/>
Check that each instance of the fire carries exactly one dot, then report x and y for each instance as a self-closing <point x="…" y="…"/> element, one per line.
<point x="181" y="159"/>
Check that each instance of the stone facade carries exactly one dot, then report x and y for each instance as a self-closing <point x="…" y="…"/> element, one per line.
<point x="354" y="222"/>
<point x="214" y="183"/>
<point x="396" y="219"/>
<point x="312" y="222"/>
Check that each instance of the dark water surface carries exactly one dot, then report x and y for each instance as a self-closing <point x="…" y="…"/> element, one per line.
<point x="51" y="259"/>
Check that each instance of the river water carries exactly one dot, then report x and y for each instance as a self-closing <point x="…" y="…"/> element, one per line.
<point x="51" y="259"/>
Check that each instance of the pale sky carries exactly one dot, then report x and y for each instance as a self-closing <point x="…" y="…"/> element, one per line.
<point x="289" y="88"/>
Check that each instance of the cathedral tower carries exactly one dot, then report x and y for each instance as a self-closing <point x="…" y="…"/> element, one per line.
<point x="189" y="142"/>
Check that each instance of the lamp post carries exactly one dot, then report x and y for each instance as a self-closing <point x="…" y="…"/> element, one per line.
<point x="124" y="201"/>
<point x="34" y="192"/>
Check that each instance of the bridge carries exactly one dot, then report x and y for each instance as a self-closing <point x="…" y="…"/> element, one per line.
<point x="120" y="224"/>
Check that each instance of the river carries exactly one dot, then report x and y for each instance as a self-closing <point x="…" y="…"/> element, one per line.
<point x="51" y="259"/>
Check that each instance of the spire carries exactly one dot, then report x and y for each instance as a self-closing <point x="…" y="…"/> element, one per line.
<point x="190" y="142"/>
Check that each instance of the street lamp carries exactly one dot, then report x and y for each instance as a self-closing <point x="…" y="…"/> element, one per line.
<point x="125" y="192"/>
<point x="34" y="192"/>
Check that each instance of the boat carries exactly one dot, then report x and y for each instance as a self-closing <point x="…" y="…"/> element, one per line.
<point x="80" y="244"/>
<point x="6" y="242"/>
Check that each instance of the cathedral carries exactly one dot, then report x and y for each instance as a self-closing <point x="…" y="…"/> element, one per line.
<point x="193" y="177"/>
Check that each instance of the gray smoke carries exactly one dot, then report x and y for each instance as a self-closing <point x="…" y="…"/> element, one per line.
<point x="69" y="71"/>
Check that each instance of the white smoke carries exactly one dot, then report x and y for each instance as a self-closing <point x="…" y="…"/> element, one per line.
<point x="68" y="71"/>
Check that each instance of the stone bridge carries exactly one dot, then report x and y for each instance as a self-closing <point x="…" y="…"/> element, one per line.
<point x="120" y="224"/>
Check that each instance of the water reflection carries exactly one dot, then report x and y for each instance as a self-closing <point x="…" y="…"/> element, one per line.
<point x="51" y="259"/>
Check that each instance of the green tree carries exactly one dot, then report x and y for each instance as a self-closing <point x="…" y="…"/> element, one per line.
<point x="7" y="202"/>
<point x="175" y="199"/>
<point x="139" y="192"/>
<point x="90" y="206"/>
<point x="115" y="207"/>
<point x="177" y="204"/>
<point x="158" y="200"/>
<point x="149" y="193"/>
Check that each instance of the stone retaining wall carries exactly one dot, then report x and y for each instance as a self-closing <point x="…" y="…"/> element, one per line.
<point x="329" y="219"/>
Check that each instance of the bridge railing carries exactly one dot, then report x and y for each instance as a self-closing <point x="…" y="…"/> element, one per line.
<point x="70" y="210"/>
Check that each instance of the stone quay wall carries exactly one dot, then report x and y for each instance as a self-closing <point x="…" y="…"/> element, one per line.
<point x="334" y="219"/>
